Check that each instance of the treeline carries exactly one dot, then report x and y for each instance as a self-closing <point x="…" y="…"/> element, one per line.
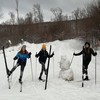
<point x="83" y="22"/>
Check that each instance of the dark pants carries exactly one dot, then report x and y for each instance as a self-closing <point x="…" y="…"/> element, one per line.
<point x="42" y="69"/>
<point x="85" y="67"/>
<point x="21" y="69"/>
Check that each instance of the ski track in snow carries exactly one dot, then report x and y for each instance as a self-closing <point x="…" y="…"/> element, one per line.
<point x="58" y="89"/>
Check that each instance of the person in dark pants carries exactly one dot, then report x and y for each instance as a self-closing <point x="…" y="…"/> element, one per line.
<point x="43" y="55"/>
<point x="87" y="52"/>
<point x="21" y="56"/>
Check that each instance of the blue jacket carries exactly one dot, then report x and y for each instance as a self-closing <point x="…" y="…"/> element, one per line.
<point x="22" y="58"/>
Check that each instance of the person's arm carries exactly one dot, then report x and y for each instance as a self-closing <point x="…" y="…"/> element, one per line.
<point x="16" y="57"/>
<point x="29" y="55"/>
<point x="93" y="53"/>
<point x="77" y="54"/>
<point x="37" y="55"/>
<point x="49" y="56"/>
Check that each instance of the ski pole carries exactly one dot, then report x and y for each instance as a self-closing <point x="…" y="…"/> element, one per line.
<point x="53" y="68"/>
<point x="95" y="71"/>
<point x="95" y="68"/>
<point x="31" y="68"/>
<point x="72" y="60"/>
<point x="36" y="68"/>
<point x="82" y="73"/>
<point x="82" y="76"/>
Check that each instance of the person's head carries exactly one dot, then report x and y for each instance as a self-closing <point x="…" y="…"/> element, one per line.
<point x="44" y="47"/>
<point x="23" y="49"/>
<point x="87" y="45"/>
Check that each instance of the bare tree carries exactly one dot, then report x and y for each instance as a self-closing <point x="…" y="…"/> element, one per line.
<point x="93" y="11"/>
<point x="12" y="18"/>
<point x="37" y="12"/>
<point x="21" y="21"/>
<point x="65" y="17"/>
<point x="28" y="19"/>
<point x="76" y="16"/>
<point x="17" y="10"/>
<point x="57" y="12"/>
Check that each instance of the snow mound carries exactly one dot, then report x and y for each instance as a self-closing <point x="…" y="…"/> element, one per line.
<point x="66" y="75"/>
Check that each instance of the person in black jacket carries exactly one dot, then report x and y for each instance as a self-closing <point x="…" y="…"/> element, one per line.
<point x="87" y="52"/>
<point x="43" y="55"/>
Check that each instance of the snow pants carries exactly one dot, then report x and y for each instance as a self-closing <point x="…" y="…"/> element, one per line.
<point x="42" y="69"/>
<point x="85" y="67"/>
<point x="21" y="69"/>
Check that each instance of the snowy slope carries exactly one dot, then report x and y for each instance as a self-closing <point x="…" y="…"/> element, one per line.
<point x="58" y="89"/>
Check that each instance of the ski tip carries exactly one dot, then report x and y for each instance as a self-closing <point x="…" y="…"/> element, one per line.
<point x="82" y="85"/>
<point x="21" y="91"/>
<point x="21" y="82"/>
<point x="9" y="87"/>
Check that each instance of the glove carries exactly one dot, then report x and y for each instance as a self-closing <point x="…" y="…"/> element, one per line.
<point x="95" y="53"/>
<point x="74" y="54"/>
<point x="53" y="53"/>
<point x="36" y="56"/>
<point x="14" y="58"/>
<point x="29" y="54"/>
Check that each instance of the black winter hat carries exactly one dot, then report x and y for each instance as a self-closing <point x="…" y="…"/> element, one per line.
<point x="87" y="43"/>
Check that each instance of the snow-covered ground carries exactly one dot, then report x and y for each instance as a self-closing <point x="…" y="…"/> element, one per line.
<point x="58" y="89"/>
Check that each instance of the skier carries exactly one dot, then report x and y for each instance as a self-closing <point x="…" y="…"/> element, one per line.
<point x="87" y="51"/>
<point x="21" y="56"/>
<point x="43" y="55"/>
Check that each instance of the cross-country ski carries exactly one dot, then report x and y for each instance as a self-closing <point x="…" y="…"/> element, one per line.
<point x="6" y="66"/>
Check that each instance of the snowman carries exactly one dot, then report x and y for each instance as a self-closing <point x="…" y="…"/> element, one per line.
<point x="66" y="72"/>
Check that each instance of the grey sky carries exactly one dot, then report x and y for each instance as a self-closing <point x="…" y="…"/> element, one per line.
<point x="25" y="6"/>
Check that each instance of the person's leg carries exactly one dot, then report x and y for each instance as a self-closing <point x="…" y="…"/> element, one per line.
<point x="83" y="69"/>
<point x="86" y="71"/>
<point x="21" y="72"/>
<point x="42" y="69"/>
<point x="13" y="69"/>
<point x="40" y="77"/>
<point x="87" y="78"/>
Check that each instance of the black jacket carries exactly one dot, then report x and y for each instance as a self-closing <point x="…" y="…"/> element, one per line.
<point x="87" y="54"/>
<point x="43" y="55"/>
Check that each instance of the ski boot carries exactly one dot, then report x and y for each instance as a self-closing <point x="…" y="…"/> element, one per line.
<point x="20" y="80"/>
<point x="40" y="79"/>
<point x="86" y="78"/>
<point x="9" y="73"/>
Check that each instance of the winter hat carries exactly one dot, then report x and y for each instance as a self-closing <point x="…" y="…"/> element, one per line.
<point x="24" y="46"/>
<point x="87" y="43"/>
<point x="44" y="46"/>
